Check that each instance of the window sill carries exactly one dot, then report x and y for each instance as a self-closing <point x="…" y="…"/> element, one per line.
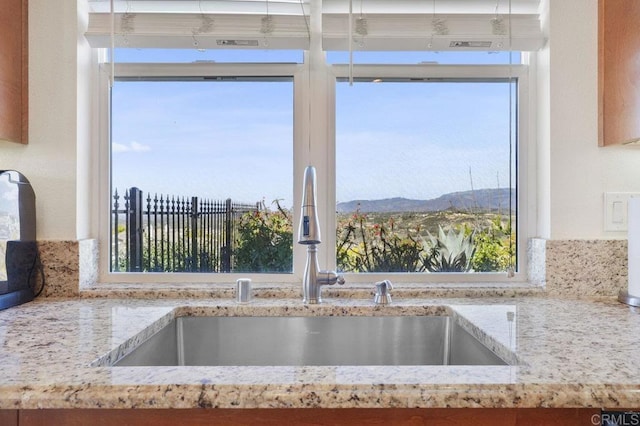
<point x="289" y="290"/>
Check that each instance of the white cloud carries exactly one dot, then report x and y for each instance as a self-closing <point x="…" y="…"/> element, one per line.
<point x="132" y="147"/>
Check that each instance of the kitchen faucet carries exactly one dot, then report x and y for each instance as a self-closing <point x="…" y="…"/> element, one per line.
<point x="309" y="235"/>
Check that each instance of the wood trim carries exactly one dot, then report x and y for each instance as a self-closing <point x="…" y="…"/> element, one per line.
<point x="25" y="72"/>
<point x="601" y="71"/>
<point x="312" y="416"/>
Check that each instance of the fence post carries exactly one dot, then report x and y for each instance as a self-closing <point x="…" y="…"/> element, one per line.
<point x="135" y="230"/>
<point x="114" y="234"/>
<point x="227" y="248"/>
<point x="194" y="234"/>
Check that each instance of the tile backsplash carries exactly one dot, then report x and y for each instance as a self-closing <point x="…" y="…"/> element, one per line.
<point x="571" y="268"/>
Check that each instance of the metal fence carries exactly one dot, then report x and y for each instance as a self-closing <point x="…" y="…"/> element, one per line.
<point x="173" y="234"/>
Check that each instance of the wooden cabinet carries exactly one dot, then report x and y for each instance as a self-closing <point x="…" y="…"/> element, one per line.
<point x="9" y="417"/>
<point x="14" y="41"/>
<point x="308" y="416"/>
<point x="618" y="72"/>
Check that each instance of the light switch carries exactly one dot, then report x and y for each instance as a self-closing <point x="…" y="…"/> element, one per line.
<point x="617" y="214"/>
<point x="615" y="210"/>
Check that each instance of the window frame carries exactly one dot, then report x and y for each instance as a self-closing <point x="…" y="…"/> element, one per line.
<point x="518" y="72"/>
<point x="184" y="71"/>
<point x="314" y="142"/>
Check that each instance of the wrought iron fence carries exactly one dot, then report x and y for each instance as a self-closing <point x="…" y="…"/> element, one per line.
<point x="173" y="234"/>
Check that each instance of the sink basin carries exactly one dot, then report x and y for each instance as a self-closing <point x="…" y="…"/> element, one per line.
<point x="296" y="341"/>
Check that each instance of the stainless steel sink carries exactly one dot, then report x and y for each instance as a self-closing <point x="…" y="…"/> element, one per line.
<point x="295" y="341"/>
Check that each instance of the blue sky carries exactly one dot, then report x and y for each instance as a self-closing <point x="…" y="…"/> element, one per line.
<point x="234" y="139"/>
<point x="214" y="140"/>
<point x="420" y="140"/>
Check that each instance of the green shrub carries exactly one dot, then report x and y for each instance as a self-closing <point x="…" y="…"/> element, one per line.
<point x="264" y="242"/>
<point x="374" y="243"/>
<point x="495" y="247"/>
<point x="170" y="256"/>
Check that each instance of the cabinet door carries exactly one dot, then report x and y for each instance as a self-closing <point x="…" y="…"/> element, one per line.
<point x="9" y="417"/>
<point x="13" y="71"/>
<point x="313" y="416"/>
<point x="618" y="71"/>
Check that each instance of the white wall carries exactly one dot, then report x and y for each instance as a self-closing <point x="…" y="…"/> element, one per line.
<point x="575" y="172"/>
<point x="49" y="160"/>
<point x="87" y="164"/>
<point x="579" y="171"/>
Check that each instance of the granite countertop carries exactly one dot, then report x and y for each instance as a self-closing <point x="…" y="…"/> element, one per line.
<point x="569" y="353"/>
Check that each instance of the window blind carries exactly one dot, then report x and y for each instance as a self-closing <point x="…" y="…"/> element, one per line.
<point x="400" y="25"/>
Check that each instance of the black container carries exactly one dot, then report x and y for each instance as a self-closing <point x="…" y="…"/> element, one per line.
<point x="18" y="248"/>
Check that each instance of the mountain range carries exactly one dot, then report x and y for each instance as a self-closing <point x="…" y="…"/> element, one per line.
<point x="490" y="199"/>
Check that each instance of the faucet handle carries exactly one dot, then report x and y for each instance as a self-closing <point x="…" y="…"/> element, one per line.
<point x="330" y="278"/>
<point x="383" y="295"/>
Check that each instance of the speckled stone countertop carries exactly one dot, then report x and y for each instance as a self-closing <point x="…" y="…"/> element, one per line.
<point x="569" y="353"/>
<point x="292" y="291"/>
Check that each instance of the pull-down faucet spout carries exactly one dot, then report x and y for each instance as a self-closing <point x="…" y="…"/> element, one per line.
<point x="309" y="235"/>
<point x="309" y="230"/>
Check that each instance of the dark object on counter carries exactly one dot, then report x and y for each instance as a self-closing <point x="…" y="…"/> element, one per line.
<point x="18" y="248"/>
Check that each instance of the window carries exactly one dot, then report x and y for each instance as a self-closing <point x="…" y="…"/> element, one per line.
<point x="424" y="170"/>
<point x="185" y="130"/>
<point x="427" y="176"/>
<point x="201" y="159"/>
<point x="412" y="137"/>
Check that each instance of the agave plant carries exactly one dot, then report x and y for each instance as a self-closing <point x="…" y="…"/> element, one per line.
<point x="450" y="251"/>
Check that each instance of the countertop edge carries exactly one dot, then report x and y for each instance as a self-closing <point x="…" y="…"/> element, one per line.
<point x="174" y="396"/>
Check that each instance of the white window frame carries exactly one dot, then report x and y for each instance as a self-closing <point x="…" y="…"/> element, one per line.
<point x="314" y="144"/>
<point x="524" y="166"/>
<point x="188" y="71"/>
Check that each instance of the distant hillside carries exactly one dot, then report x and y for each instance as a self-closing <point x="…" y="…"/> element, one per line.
<point x="492" y="199"/>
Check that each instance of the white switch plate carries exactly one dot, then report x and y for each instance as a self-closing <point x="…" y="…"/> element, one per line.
<point x="615" y="210"/>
